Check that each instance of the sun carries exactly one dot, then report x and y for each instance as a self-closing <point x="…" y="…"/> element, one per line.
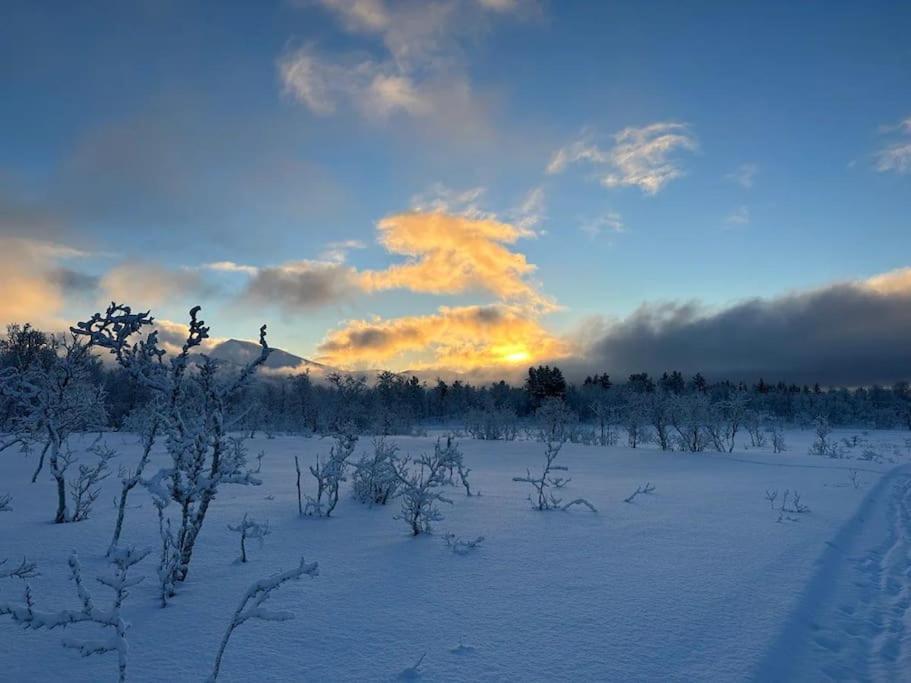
<point x="516" y="356"/>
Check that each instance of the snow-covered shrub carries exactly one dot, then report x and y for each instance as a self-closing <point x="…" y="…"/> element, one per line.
<point x="453" y="460"/>
<point x="330" y="473"/>
<point x="196" y="412"/>
<point x="374" y="480"/>
<point x="753" y="423"/>
<point x="6" y="501"/>
<point x="790" y="502"/>
<point x="771" y="495"/>
<point x="635" y="424"/>
<point x="689" y="415"/>
<point x="462" y="546"/>
<point x="723" y="421"/>
<point x="606" y="417"/>
<point x="251" y="606"/>
<point x="249" y="528"/>
<point x="26" y="569"/>
<point x="85" y="489"/>
<point x="51" y="400"/>
<point x="776" y="432"/>
<point x="122" y="560"/>
<point x="554" y="419"/>
<point x="492" y="424"/>
<point x="419" y="489"/>
<point x="822" y="445"/>
<point x="543" y="486"/>
<point x="640" y="491"/>
<point x="657" y="410"/>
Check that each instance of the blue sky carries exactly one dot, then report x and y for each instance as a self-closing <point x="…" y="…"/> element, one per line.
<point x="154" y="138"/>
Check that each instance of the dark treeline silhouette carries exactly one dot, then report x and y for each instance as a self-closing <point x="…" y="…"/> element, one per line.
<point x="393" y="403"/>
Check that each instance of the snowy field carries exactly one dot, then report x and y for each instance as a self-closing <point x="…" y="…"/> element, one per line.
<point x="699" y="580"/>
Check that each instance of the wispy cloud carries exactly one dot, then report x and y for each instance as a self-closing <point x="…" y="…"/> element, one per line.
<point x="609" y="222"/>
<point x="739" y="216"/>
<point x="744" y="175"/>
<point x="642" y="157"/>
<point x="422" y="68"/>
<point x="895" y="157"/>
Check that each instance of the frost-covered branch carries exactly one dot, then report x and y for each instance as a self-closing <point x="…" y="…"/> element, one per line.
<point x="249" y="528"/>
<point x="251" y="605"/>
<point x="122" y="560"/>
<point x="640" y="490"/>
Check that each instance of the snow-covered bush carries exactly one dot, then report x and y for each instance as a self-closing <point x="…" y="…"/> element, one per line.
<point x="249" y="528"/>
<point x="462" y="546"/>
<point x="419" y="489"/>
<point x="492" y="424"/>
<point x="85" y="489"/>
<point x="543" y="486"/>
<point x="122" y="560"/>
<point x="776" y="432"/>
<point x="6" y="501"/>
<point x="330" y="473"/>
<point x="453" y="460"/>
<point x="822" y="445"/>
<point x="251" y="606"/>
<point x="196" y="412"/>
<point x="51" y="399"/>
<point x="635" y="424"/>
<point x="689" y="416"/>
<point x="753" y="423"/>
<point x="723" y="420"/>
<point x="554" y="419"/>
<point x="640" y="491"/>
<point x="657" y="408"/>
<point x="26" y="569"/>
<point x="374" y="480"/>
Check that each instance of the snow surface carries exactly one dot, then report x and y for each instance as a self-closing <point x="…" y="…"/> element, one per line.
<point x="696" y="581"/>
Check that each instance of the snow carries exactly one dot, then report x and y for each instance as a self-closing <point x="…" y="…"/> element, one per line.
<point x="696" y="580"/>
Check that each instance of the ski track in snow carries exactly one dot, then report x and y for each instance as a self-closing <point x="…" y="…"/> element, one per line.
<point x="854" y="622"/>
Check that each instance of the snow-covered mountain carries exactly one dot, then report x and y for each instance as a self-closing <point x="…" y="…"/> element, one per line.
<point x="238" y="352"/>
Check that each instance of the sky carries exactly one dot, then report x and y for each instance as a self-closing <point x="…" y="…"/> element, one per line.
<point x="471" y="185"/>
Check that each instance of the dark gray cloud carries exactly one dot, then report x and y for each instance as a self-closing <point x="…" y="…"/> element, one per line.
<point x="73" y="281"/>
<point x="846" y="334"/>
<point x="301" y="286"/>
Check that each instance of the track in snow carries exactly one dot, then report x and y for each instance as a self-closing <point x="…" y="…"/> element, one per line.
<point x="854" y="621"/>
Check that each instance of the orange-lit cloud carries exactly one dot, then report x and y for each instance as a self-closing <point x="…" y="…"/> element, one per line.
<point x="451" y="254"/>
<point x="32" y="292"/>
<point x="462" y="338"/>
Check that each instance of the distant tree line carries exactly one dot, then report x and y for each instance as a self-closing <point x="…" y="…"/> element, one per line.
<point x="397" y="404"/>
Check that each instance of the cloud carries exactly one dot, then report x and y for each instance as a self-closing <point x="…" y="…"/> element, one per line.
<point x="148" y="285"/>
<point x="853" y="333"/>
<point x="531" y="211"/>
<point x="611" y="221"/>
<point x="35" y="281"/>
<point x="419" y="71"/>
<point x="640" y="157"/>
<point x="739" y="216"/>
<point x="744" y="175"/>
<point x="895" y="157"/>
<point x="301" y="285"/>
<point x="450" y="254"/>
<point x="458" y="339"/>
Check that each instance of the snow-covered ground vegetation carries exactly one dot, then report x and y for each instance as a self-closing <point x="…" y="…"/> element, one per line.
<point x="686" y="560"/>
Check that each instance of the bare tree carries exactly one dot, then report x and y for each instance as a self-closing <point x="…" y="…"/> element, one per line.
<point x="55" y="398"/>
<point x="374" y="480"/>
<point x="196" y="413"/>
